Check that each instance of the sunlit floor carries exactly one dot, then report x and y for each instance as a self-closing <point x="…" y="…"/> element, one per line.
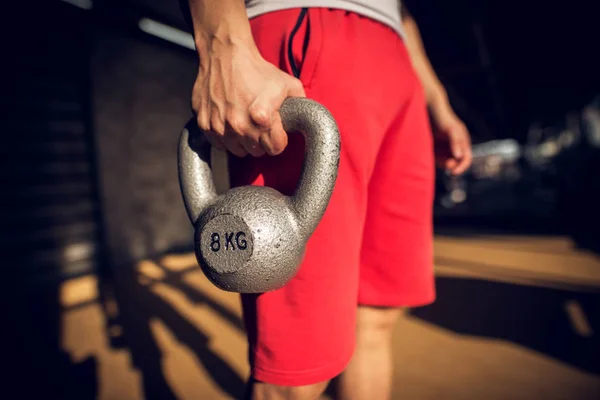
<point x="516" y="318"/>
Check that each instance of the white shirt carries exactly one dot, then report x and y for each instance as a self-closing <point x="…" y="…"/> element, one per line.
<point x="385" y="11"/>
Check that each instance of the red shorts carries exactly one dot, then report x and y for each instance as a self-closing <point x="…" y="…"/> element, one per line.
<point x="374" y="243"/>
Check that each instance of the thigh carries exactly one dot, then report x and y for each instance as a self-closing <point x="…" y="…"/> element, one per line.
<point x="397" y="250"/>
<point x="304" y="332"/>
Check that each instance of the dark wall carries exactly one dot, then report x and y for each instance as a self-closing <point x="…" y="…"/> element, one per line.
<point x="51" y="225"/>
<point x="91" y="113"/>
<point x="507" y="64"/>
<point x="546" y="55"/>
<point x="141" y="92"/>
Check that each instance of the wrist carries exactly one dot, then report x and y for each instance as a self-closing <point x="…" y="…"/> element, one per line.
<point x="220" y="25"/>
<point x="224" y="40"/>
<point x="223" y="46"/>
<point x="440" y="109"/>
<point x="437" y="98"/>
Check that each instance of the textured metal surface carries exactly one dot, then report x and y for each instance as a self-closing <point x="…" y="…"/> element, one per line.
<point x="195" y="177"/>
<point x="321" y="160"/>
<point x="277" y="243"/>
<point x="276" y="227"/>
<point x="226" y="243"/>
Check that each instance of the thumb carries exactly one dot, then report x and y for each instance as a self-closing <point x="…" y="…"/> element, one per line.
<point x="455" y="145"/>
<point x="296" y="88"/>
<point x="276" y="141"/>
<point x="456" y="150"/>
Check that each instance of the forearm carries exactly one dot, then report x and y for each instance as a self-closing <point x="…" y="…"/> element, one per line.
<point x="434" y="90"/>
<point x="453" y="143"/>
<point x="218" y="23"/>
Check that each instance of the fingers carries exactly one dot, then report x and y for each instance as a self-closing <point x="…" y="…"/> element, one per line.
<point x="215" y="140"/>
<point x="235" y="132"/>
<point x="241" y="128"/>
<point x="456" y="145"/>
<point x="230" y="134"/>
<point x="204" y="123"/>
<point x="242" y="134"/>
<point x="460" y="146"/>
<point x="450" y="165"/>
<point x="277" y="139"/>
<point x="272" y="137"/>
<point x="264" y="112"/>
<point x="463" y="163"/>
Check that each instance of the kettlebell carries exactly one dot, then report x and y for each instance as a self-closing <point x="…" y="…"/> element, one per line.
<point x="251" y="239"/>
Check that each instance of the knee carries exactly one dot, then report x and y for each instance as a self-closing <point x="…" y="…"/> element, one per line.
<point x="264" y="391"/>
<point x="376" y="324"/>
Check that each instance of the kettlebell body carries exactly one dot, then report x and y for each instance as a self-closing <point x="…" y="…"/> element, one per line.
<point x="252" y="239"/>
<point x="248" y="240"/>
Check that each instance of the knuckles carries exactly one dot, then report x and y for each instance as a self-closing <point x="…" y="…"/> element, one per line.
<point x="241" y="129"/>
<point x="261" y="115"/>
<point x="238" y="122"/>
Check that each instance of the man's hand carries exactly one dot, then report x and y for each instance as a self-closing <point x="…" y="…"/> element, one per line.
<point x="237" y="93"/>
<point x="452" y="140"/>
<point x="236" y="99"/>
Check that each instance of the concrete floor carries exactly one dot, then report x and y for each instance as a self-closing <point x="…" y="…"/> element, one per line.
<point x="516" y="318"/>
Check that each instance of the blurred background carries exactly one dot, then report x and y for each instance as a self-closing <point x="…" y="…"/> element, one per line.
<point x="102" y="298"/>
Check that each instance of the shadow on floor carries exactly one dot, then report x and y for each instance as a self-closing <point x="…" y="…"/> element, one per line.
<point x="588" y="242"/>
<point x="31" y="337"/>
<point x="138" y="305"/>
<point x="536" y="318"/>
<point x="33" y="332"/>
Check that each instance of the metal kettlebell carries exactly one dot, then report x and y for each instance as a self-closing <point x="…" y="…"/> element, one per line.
<point x="251" y="239"/>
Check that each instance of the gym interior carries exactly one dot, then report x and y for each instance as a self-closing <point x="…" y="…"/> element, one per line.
<point x="102" y="295"/>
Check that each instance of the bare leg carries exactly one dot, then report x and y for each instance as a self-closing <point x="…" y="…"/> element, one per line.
<point x="266" y="391"/>
<point x="369" y="374"/>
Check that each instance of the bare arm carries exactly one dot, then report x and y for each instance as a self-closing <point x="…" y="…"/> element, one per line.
<point x="237" y="94"/>
<point x="453" y="144"/>
<point x="434" y="90"/>
<point x="219" y="21"/>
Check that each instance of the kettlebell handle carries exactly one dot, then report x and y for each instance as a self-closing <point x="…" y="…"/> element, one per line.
<point x="195" y="176"/>
<point x="319" y="171"/>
